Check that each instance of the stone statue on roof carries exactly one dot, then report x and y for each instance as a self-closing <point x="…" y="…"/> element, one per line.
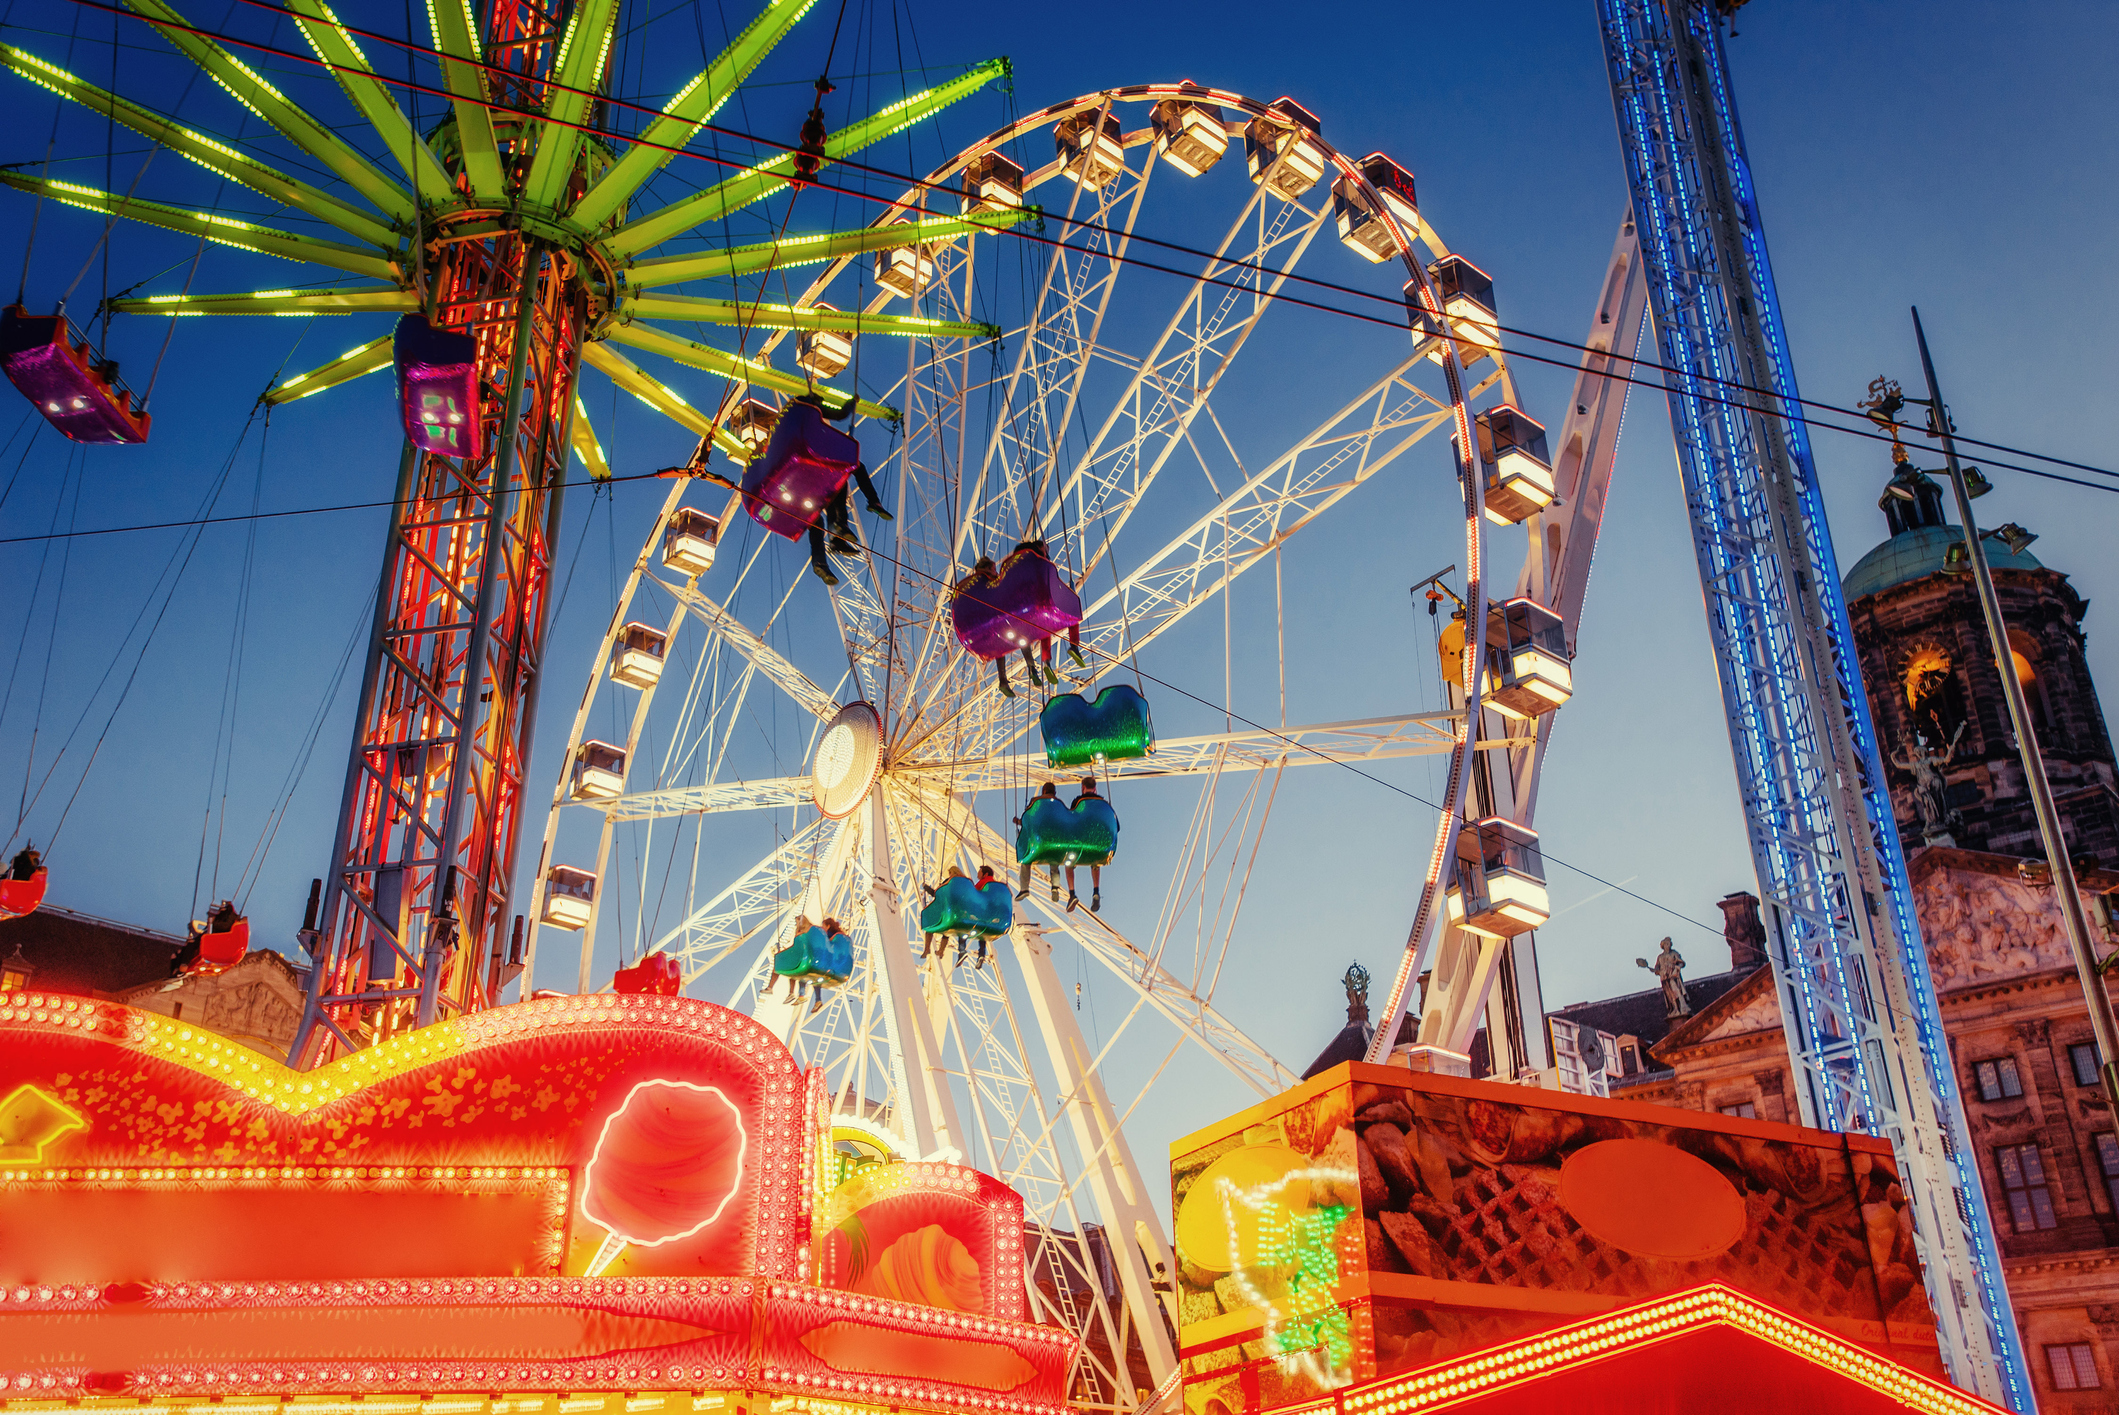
<point x="1669" y="968"/>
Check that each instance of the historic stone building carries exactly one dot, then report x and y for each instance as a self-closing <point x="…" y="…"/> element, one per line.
<point x="2012" y="1006"/>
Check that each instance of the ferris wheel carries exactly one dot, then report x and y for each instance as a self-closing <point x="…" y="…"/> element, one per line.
<point x="1108" y="440"/>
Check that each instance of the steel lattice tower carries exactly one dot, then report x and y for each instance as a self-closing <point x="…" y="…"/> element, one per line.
<point x="1864" y="1031"/>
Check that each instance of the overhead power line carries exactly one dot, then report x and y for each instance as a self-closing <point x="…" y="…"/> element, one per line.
<point x="925" y="184"/>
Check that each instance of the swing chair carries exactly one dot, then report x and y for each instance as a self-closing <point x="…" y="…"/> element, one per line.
<point x="806" y="463"/>
<point x="657" y="975"/>
<point x="216" y="944"/>
<point x="816" y="955"/>
<point x="1114" y="728"/>
<point x="437" y="388"/>
<point x="1053" y="833"/>
<point x="1019" y="604"/>
<point x="78" y="391"/>
<point x="22" y="887"/>
<point x="962" y="907"/>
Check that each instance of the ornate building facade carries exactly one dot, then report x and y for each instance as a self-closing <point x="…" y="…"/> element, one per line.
<point x="2012" y="1006"/>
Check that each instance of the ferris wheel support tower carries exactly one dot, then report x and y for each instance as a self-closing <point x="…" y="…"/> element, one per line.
<point x="1864" y="1031"/>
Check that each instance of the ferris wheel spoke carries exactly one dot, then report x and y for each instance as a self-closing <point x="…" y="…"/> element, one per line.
<point x="769" y="660"/>
<point x="1197" y="347"/>
<point x="758" y="900"/>
<point x="1333" y="460"/>
<point x="1367" y="435"/>
<point x="1053" y="358"/>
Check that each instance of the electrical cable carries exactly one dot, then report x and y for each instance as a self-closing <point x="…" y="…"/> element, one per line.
<point x="925" y="184"/>
<point x="1117" y="662"/>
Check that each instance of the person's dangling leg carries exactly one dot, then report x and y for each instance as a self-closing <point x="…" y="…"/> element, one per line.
<point x="817" y="562"/>
<point x="1023" y="891"/>
<point x="1074" y="645"/>
<point x="1096" y="888"/>
<point x="982" y="950"/>
<point x="839" y="511"/>
<point x="1000" y="666"/>
<point x="1030" y="666"/>
<point x="868" y="492"/>
<point x="1073" y="901"/>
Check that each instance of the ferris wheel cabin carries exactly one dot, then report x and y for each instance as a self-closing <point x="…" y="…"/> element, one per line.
<point x="1514" y="462"/>
<point x="1528" y="671"/>
<point x="905" y="270"/>
<point x="1091" y="147"/>
<point x="1469" y="311"/>
<point x="992" y="183"/>
<point x="1499" y="888"/>
<point x="76" y="391"/>
<point x="1189" y="136"/>
<point x="569" y="897"/>
<point x="823" y="353"/>
<point x="637" y="657"/>
<point x="750" y="422"/>
<point x="688" y="543"/>
<point x="1361" y="226"/>
<point x="1279" y="148"/>
<point x="599" y="772"/>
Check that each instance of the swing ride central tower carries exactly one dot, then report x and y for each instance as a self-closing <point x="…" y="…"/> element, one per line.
<point x="414" y="918"/>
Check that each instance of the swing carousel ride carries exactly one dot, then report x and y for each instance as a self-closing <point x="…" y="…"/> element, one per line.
<point x="1061" y="460"/>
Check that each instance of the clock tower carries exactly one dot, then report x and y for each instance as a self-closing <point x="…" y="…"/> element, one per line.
<point x="1955" y="776"/>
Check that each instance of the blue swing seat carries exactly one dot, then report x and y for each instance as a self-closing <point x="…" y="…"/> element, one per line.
<point x="815" y="954"/>
<point x="961" y="907"/>
<point x="1054" y="834"/>
<point x="1114" y="728"/>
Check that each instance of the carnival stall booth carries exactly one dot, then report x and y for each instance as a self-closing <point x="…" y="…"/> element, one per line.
<point x="623" y="1196"/>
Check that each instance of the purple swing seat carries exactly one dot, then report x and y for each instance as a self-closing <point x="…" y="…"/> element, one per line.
<point x="1024" y="601"/>
<point x="806" y="464"/>
<point x="437" y="388"/>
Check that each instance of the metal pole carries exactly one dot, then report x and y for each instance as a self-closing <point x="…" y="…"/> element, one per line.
<point x="2063" y="871"/>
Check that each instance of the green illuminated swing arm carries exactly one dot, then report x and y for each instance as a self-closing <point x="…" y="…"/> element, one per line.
<point x="216" y="157"/>
<point x="683" y="116"/>
<point x="250" y="89"/>
<point x="365" y="299"/>
<point x="731" y="366"/>
<point x="751" y="314"/>
<point x="373" y="355"/>
<point x="225" y="230"/>
<point x="455" y="35"/>
<point x="790" y="251"/>
<point x="575" y="76"/>
<point x="768" y="177"/>
<point x="376" y="103"/>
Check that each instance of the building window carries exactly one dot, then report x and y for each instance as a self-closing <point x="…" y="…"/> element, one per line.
<point x="1742" y="1110"/>
<point x="2023" y="1180"/>
<point x="1630" y="1060"/>
<point x="1998" y="1079"/>
<point x="2108" y="1165"/>
<point x="2074" y="1366"/>
<point x="2083" y="1057"/>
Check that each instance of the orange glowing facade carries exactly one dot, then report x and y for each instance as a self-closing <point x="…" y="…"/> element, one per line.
<point x="618" y="1203"/>
<point x="1376" y="1241"/>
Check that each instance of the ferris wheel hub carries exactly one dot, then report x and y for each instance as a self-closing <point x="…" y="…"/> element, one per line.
<point x="848" y="759"/>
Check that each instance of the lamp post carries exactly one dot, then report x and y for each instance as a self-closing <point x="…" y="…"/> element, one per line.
<point x="2062" y="869"/>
